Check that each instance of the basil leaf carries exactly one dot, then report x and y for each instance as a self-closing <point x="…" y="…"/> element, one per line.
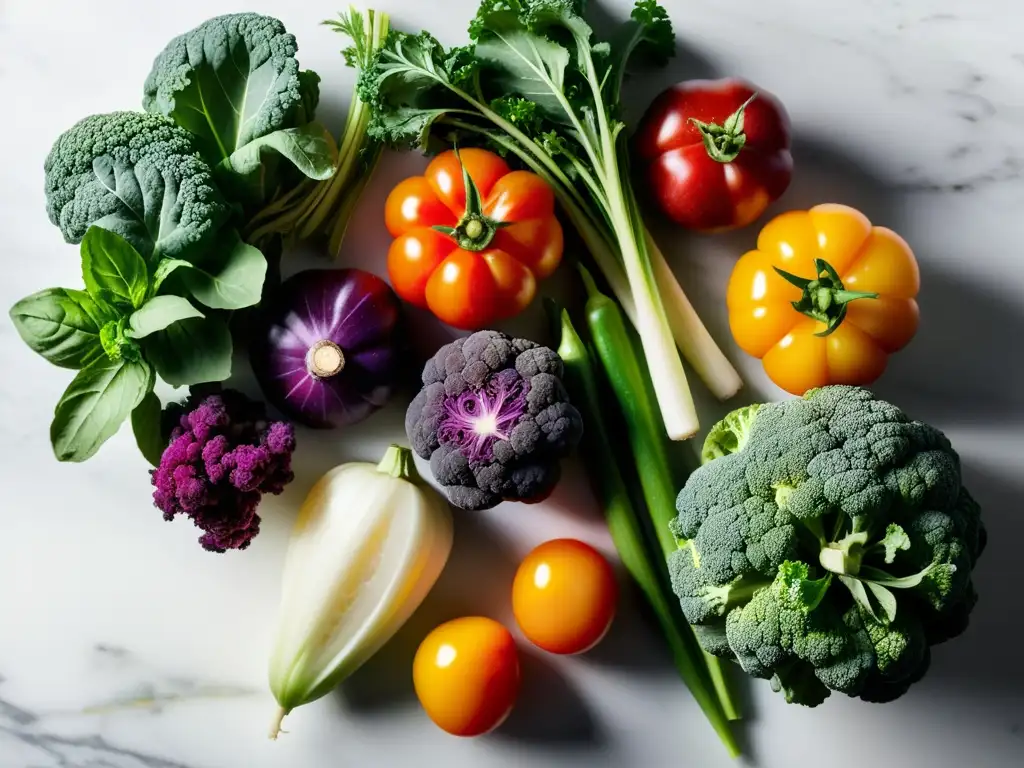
<point x="164" y="269"/>
<point x="230" y="277"/>
<point x="113" y="269"/>
<point x="146" y="426"/>
<point x="191" y="351"/>
<point x="95" y="404"/>
<point x="62" y="325"/>
<point x="311" y="149"/>
<point x="158" y="313"/>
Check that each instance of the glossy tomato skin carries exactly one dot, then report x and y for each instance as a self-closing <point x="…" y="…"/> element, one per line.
<point x="867" y="258"/>
<point x="466" y="675"/>
<point x="472" y="289"/>
<point x="697" y="191"/>
<point x="564" y="596"/>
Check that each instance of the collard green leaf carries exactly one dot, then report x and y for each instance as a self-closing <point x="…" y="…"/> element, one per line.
<point x="158" y="313"/>
<point x="230" y="81"/>
<point x="230" y="276"/>
<point x="95" y="404"/>
<point x="112" y="269"/>
<point x="193" y="351"/>
<point x="311" y="149"/>
<point x="146" y="426"/>
<point x="63" y="325"/>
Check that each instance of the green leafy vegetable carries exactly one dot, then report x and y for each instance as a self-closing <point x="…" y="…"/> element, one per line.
<point x="146" y="426"/>
<point x="191" y="351"/>
<point x="137" y="175"/>
<point x="112" y="269"/>
<point x="62" y="325"/>
<point x="234" y="81"/>
<point x="95" y="404"/>
<point x="230" y="276"/>
<point x="537" y="85"/>
<point x="158" y="313"/>
<point x="310" y="148"/>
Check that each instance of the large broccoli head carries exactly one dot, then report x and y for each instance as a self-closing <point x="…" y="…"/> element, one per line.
<point x="232" y="80"/>
<point x="826" y="544"/>
<point x="137" y="175"/>
<point x="493" y="419"/>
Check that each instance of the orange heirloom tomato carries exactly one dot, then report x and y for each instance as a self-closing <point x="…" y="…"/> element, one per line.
<point x="472" y="253"/>
<point x="466" y="675"/>
<point x="564" y="596"/>
<point x="825" y="298"/>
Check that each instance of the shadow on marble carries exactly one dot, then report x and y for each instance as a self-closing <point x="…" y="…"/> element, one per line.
<point x="549" y="711"/>
<point x="983" y="663"/>
<point x="385" y="681"/>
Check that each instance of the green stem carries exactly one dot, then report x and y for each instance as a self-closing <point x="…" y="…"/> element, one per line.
<point x="724" y="142"/>
<point x="398" y="462"/>
<point x="823" y="298"/>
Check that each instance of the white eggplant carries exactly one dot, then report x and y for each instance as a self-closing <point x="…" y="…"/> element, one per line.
<point x="368" y="545"/>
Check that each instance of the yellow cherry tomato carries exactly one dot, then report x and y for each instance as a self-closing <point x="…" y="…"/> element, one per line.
<point x="564" y="596"/>
<point x="825" y="298"/>
<point x="466" y="675"/>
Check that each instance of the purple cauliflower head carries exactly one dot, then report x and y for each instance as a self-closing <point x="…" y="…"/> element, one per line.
<point x="494" y="419"/>
<point x="223" y="455"/>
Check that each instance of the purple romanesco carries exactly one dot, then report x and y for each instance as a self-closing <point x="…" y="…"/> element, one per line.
<point x="223" y="455"/>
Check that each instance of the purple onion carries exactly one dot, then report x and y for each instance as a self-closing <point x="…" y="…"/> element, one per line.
<point x="326" y="354"/>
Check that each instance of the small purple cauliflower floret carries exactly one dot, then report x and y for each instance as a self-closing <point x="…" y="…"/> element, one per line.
<point x="223" y="455"/>
<point x="493" y="419"/>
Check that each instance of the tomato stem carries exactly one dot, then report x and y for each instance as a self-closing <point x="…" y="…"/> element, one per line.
<point x="824" y="298"/>
<point x="724" y="142"/>
<point x="474" y="231"/>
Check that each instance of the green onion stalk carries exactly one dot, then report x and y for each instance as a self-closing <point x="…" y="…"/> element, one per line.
<point x="644" y="563"/>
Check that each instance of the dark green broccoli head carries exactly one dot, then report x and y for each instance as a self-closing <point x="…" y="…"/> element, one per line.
<point x="232" y="80"/>
<point x="831" y="538"/>
<point x="493" y="419"/>
<point x="137" y="175"/>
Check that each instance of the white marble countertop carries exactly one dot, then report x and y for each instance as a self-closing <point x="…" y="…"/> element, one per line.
<point x="124" y="645"/>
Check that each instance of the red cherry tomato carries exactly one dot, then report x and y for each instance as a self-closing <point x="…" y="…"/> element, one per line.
<point x="564" y="596"/>
<point x="730" y="183"/>
<point x="466" y="675"/>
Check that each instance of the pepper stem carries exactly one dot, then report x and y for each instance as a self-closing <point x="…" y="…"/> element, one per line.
<point x="474" y="231"/>
<point x="724" y="142"/>
<point x="824" y="298"/>
<point x="399" y="463"/>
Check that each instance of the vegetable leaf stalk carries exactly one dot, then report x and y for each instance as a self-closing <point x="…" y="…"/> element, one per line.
<point x="325" y="207"/>
<point x="535" y="84"/>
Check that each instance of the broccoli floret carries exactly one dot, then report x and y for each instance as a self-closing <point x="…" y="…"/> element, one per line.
<point x="833" y="537"/>
<point x="232" y="80"/>
<point x="137" y="175"/>
<point x="493" y="419"/>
